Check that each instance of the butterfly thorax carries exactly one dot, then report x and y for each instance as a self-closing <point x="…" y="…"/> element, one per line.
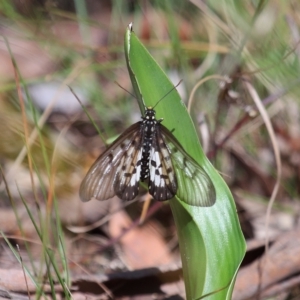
<point x="149" y="124"/>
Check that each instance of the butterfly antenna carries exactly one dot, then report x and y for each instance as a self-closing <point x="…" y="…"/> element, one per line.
<point x="174" y="87"/>
<point x="125" y="90"/>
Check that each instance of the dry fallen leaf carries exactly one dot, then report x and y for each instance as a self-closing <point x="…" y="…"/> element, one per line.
<point x="142" y="246"/>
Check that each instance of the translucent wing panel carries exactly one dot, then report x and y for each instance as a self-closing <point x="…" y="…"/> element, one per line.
<point x="99" y="182"/>
<point x="194" y="185"/>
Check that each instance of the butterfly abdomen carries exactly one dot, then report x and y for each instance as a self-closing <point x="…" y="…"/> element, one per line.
<point x="149" y="124"/>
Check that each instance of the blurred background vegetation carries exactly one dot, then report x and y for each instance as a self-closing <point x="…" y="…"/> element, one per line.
<point x="246" y="111"/>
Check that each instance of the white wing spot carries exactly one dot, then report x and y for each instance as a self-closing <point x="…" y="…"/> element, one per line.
<point x="136" y="177"/>
<point x="157" y="179"/>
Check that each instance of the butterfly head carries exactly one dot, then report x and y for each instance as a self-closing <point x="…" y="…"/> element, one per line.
<point x="149" y="113"/>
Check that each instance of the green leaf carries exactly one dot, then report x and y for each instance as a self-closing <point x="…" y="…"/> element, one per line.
<point x="211" y="242"/>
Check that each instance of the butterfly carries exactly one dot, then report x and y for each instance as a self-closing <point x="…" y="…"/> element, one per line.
<point x="148" y="151"/>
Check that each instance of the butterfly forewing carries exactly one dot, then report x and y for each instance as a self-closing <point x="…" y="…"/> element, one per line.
<point x="194" y="185"/>
<point x="162" y="182"/>
<point x="99" y="181"/>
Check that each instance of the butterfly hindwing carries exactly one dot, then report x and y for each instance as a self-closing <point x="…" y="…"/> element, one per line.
<point x="126" y="183"/>
<point x="194" y="185"/>
<point x="105" y="177"/>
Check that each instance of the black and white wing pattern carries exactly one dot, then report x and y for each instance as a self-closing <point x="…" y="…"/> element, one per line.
<point x="162" y="181"/>
<point x="194" y="186"/>
<point x="117" y="170"/>
<point x="147" y="151"/>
